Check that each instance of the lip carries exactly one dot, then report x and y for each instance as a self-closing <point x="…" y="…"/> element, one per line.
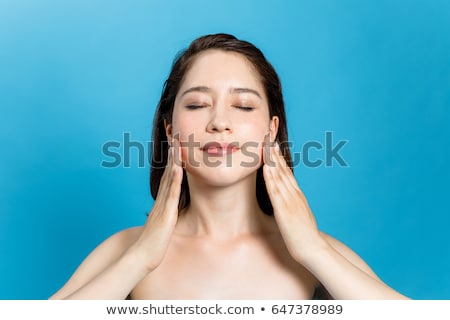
<point x="219" y="149"/>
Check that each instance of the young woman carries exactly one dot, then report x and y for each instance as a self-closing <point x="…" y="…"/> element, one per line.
<point x="229" y="219"/>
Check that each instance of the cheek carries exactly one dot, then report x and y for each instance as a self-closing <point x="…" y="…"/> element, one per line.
<point x="184" y="131"/>
<point x="254" y="143"/>
<point x="254" y="131"/>
<point x="183" y="127"/>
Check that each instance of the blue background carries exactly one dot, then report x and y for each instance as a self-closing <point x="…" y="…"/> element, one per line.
<point x="77" y="74"/>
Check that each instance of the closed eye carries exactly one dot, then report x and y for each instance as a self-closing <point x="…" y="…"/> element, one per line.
<point x="244" y="108"/>
<point x="194" y="107"/>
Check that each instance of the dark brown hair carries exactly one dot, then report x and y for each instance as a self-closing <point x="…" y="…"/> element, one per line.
<point x="180" y="67"/>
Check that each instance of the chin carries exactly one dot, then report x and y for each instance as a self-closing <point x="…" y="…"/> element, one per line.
<point x="221" y="176"/>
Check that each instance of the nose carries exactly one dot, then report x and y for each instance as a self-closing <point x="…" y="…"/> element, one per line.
<point x="219" y="121"/>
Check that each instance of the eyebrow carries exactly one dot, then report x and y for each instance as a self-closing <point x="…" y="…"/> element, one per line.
<point x="245" y="90"/>
<point x="196" y="89"/>
<point x="232" y="90"/>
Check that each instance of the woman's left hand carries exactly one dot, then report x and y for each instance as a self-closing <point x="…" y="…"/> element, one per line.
<point x="344" y="274"/>
<point x="295" y="220"/>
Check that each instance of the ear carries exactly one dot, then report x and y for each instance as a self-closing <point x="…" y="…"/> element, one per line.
<point x="273" y="128"/>
<point x="168" y="128"/>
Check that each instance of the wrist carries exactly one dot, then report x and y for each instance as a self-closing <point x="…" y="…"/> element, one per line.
<point x="138" y="261"/>
<point x="313" y="251"/>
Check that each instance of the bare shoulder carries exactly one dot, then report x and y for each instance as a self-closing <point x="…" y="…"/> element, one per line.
<point x="115" y="245"/>
<point x="349" y="254"/>
<point x="123" y="238"/>
<point x="99" y="259"/>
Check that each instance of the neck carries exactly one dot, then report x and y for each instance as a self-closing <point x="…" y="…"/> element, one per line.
<point x="223" y="212"/>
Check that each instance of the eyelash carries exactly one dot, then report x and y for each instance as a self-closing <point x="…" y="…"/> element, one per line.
<point x="243" y="108"/>
<point x="193" y="107"/>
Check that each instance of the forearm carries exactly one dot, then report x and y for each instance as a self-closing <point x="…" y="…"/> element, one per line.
<point x="115" y="282"/>
<point x="343" y="279"/>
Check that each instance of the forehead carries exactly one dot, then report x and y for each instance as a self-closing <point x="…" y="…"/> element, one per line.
<point x="222" y="69"/>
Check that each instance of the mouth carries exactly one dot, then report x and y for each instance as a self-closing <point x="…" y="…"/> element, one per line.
<point x="219" y="149"/>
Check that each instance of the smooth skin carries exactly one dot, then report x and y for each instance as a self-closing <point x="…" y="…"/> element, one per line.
<point x="223" y="246"/>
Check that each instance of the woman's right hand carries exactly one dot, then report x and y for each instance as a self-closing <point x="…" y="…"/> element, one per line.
<point x="155" y="237"/>
<point x="120" y="262"/>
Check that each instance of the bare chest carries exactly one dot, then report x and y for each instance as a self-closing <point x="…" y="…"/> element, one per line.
<point x="247" y="270"/>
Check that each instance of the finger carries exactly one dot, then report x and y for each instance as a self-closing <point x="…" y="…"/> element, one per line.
<point x="282" y="164"/>
<point x="271" y="186"/>
<point x="284" y="198"/>
<point x="178" y="161"/>
<point x="265" y="148"/>
<point x="173" y="179"/>
<point x="175" y="173"/>
<point x="176" y="145"/>
<point x="268" y="166"/>
<point x="167" y="172"/>
<point x="172" y="176"/>
<point x="281" y="171"/>
<point x="287" y="175"/>
<point x="279" y="158"/>
<point x="280" y="193"/>
<point x="272" y="175"/>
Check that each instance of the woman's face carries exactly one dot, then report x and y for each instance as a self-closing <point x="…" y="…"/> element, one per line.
<point x="221" y="117"/>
